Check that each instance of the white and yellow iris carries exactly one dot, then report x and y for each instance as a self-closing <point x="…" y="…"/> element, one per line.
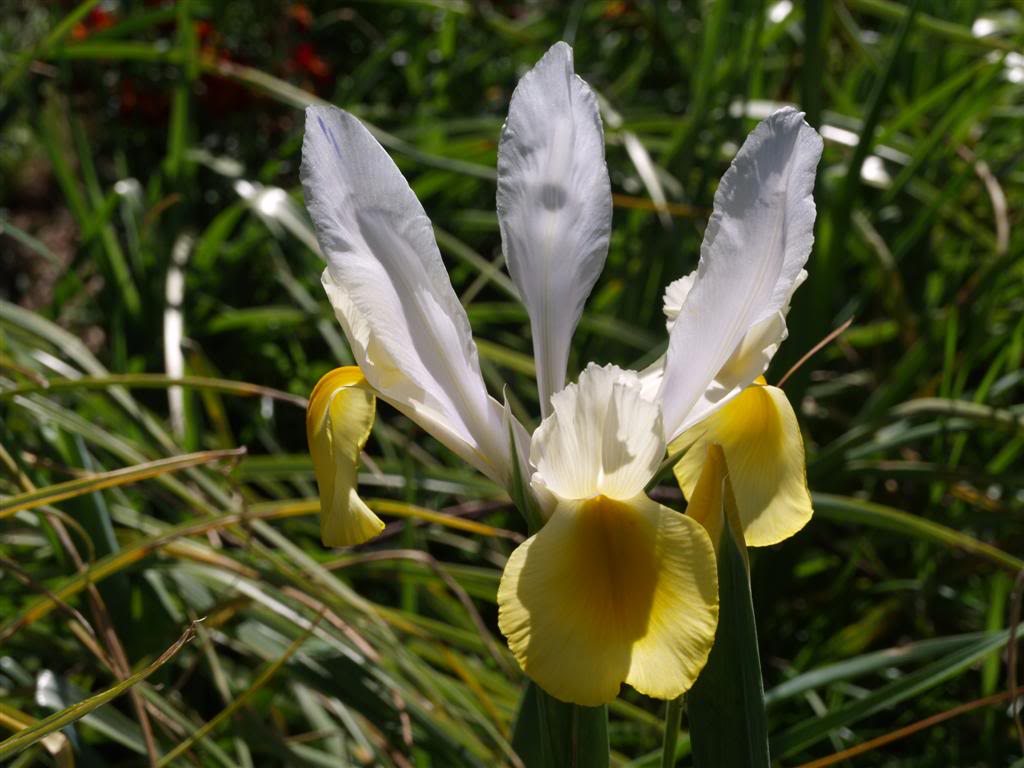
<point x="614" y="587"/>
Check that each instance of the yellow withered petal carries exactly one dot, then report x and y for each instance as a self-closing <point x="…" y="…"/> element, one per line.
<point x="338" y="423"/>
<point x="609" y="592"/>
<point x="764" y="451"/>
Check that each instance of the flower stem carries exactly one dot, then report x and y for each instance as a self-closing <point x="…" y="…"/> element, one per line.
<point x="673" y="718"/>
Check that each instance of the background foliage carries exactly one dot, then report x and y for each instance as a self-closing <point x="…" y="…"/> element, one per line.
<point x="152" y="225"/>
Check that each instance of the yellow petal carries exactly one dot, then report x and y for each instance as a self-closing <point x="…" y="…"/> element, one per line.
<point x="713" y="500"/>
<point x="764" y="451"/>
<point x="609" y="592"/>
<point x="338" y="423"/>
<point x="705" y="501"/>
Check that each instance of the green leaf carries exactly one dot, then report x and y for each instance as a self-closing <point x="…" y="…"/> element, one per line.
<point x="553" y="734"/>
<point x="726" y="704"/>
<point x="858" y="512"/>
<point x="868" y="663"/>
<point x="522" y="496"/>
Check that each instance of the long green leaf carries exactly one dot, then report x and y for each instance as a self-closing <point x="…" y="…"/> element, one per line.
<point x="846" y="510"/>
<point x="726" y="706"/>
<point x="868" y="663"/>
<point x="553" y="734"/>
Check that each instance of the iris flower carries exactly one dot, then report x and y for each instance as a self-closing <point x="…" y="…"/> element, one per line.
<point x="613" y="587"/>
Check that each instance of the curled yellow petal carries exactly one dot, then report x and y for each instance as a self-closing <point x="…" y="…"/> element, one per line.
<point x="338" y="423"/>
<point x="608" y="592"/>
<point x="713" y="503"/>
<point x="706" y="499"/>
<point x="764" y="451"/>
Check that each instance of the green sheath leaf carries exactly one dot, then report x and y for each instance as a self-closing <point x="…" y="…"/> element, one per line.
<point x="726" y="704"/>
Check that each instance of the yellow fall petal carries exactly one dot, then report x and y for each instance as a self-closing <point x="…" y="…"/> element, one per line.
<point x="764" y="451"/>
<point x="338" y="422"/>
<point x="609" y="592"/>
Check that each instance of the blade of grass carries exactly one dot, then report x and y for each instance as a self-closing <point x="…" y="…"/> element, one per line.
<point x="848" y="510"/>
<point x="57" y="744"/>
<point x="849" y="190"/>
<point x="870" y="663"/>
<point x="29" y="736"/>
<point x="885" y="9"/>
<point x="155" y="381"/>
<point x="909" y="730"/>
<point x="40" y="49"/>
<point x="177" y="134"/>
<point x="52" y="494"/>
<point x="261" y="680"/>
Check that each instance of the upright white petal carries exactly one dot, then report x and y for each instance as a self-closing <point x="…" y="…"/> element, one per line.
<point x="754" y="251"/>
<point x="554" y="206"/>
<point x="391" y="293"/>
<point x="603" y="438"/>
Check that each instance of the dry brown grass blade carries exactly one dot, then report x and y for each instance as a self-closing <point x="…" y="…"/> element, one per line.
<point x="152" y="381"/>
<point x="133" y="554"/>
<point x="908" y="730"/>
<point x="815" y="350"/>
<point x="680" y="210"/>
<point x="460" y="594"/>
<point x="242" y="698"/>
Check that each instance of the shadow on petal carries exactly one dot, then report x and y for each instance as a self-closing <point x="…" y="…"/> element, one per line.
<point x="611" y="592"/>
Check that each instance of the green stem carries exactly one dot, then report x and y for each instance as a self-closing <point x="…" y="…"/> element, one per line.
<point x="673" y="719"/>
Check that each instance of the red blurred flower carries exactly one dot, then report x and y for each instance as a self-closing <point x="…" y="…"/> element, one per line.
<point x="95" y="20"/>
<point x="301" y="15"/>
<point x="306" y="59"/>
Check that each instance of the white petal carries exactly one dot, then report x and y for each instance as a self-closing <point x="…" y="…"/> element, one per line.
<point x="749" y="361"/>
<point x="554" y="206"/>
<point x="651" y="379"/>
<point x="754" y="251"/>
<point x="389" y="288"/>
<point x="602" y="438"/>
<point x="675" y="296"/>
